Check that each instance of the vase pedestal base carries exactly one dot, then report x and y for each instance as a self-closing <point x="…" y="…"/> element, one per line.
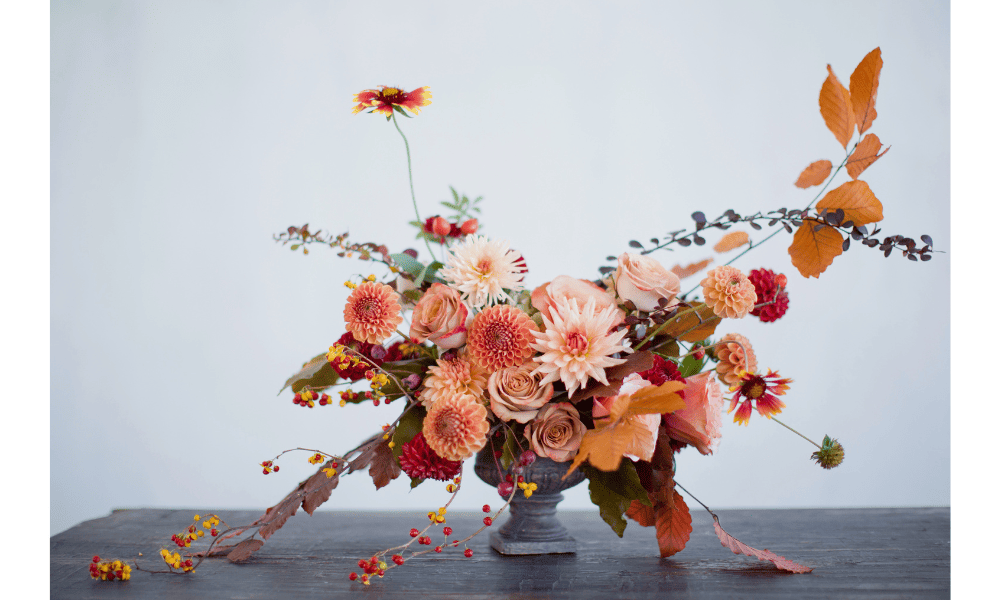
<point x="510" y="547"/>
<point x="533" y="528"/>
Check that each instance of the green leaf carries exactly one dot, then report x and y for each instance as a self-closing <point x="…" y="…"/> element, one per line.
<point x="317" y="374"/>
<point x="613" y="492"/>
<point x="408" y="427"/>
<point x="415" y="482"/>
<point x="408" y="263"/>
<point x="509" y="449"/>
<point x="667" y="349"/>
<point x="295" y="246"/>
<point x="691" y="366"/>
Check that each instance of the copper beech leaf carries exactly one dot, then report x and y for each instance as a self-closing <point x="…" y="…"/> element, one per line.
<point x="814" y="174"/>
<point x="864" y="155"/>
<point x="384" y="467"/>
<point x="692" y="325"/>
<point x="634" y="363"/>
<point x="739" y="547"/>
<point x="620" y="434"/>
<point x="835" y="107"/>
<point x="669" y="513"/>
<point x="691" y="269"/>
<point x="731" y="241"/>
<point x="857" y="201"/>
<point x="864" y="89"/>
<point x="813" y="251"/>
<point x="244" y="549"/>
<point x="316" y="374"/>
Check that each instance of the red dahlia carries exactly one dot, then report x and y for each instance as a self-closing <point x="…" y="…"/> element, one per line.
<point x="420" y="462"/>
<point x="662" y="372"/>
<point x="767" y="285"/>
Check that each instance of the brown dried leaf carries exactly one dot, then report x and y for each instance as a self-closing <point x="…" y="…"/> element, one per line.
<point x="739" y="547"/>
<point x="864" y="89"/>
<point x="693" y="326"/>
<point x="813" y="251"/>
<point x="669" y="513"/>
<point x="731" y="241"/>
<point x="814" y="174"/>
<point x="691" y="269"/>
<point x="836" y="109"/>
<point x="244" y="549"/>
<point x="641" y="514"/>
<point x="216" y="550"/>
<point x="317" y="489"/>
<point x="864" y="155"/>
<point x="856" y="199"/>
<point x="366" y="455"/>
<point x="384" y="467"/>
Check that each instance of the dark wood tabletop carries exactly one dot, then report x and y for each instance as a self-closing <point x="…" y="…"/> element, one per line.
<point x="854" y="553"/>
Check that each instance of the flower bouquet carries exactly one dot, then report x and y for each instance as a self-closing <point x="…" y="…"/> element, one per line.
<point x="603" y="380"/>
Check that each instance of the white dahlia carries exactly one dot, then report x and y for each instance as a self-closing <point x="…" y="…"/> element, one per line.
<point x="482" y="269"/>
<point x="576" y="345"/>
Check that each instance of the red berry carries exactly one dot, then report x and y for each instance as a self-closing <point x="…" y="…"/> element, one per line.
<point x="509" y="478"/>
<point x="414" y="532"/>
<point x="362" y="563"/>
<point x="215" y="532"/>
<point x="447" y="531"/>
<point x="266" y="471"/>
<point x="505" y="489"/>
<point x="276" y="469"/>
<point x="96" y="558"/>
<point x="352" y="576"/>
<point x="375" y="402"/>
<point x="397" y="559"/>
<point x="468" y="552"/>
<point x="188" y="563"/>
<point x="437" y="549"/>
<point x="364" y="578"/>
<point x="486" y="508"/>
<point x="487" y="521"/>
<point x="520" y="479"/>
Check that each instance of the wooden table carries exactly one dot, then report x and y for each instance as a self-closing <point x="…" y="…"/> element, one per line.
<point x="855" y="553"/>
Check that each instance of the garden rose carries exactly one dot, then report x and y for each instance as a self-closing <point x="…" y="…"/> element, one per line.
<point x="644" y="281"/>
<point x="516" y="394"/>
<point x="545" y="296"/>
<point x="556" y="432"/>
<point x="441" y="317"/>
<point x="699" y="423"/>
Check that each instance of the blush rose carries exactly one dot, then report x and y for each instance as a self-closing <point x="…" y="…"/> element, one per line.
<point x="645" y="281"/>
<point x="545" y="296"/>
<point x="699" y="423"/>
<point x="440" y="317"/>
<point x="556" y="432"/>
<point x="516" y="394"/>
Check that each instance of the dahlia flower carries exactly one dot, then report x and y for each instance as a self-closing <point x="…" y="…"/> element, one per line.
<point x="728" y="292"/>
<point x="385" y="99"/>
<point x="771" y="293"/>
<point x="577" y="345"/>
<point x="759" y="392"/>
<point x="372" y="312"/>
<point x="500" y="337"/>
<point x="482" y="269"/>
<point x="455" y="427"/>
<point x="453" y="374"/>
<point x="419" y="461"/>
<point x="734" y="358"/>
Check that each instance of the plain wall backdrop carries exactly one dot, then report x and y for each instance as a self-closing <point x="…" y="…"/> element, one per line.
<point x="185" y="134"/>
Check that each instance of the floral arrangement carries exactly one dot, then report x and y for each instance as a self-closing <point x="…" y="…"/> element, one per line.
<point x="610" y="377"/>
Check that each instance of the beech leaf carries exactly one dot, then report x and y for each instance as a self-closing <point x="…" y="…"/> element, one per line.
<point x="864" y="155"/>
<point x="731" y="241"/>
<point x="244" y="549"/>
<point x="673" y="526"/>
<point x="864" y="89"/>
<point x="316" y="374"/>
<point x="384" y="467"/>
<point x="857" y="201"/>
<point x="814" y="174"/>
<point x="634" y="363"/>
<point x="813" y="251"/>
<point x="692" y="326"/>
<point x="691" y="269"/>
<point x="835" y="107"/>
<point x="615" y="492"/>
<point x="739" y="547"/>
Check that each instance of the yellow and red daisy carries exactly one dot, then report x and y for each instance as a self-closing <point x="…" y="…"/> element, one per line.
<point x="385" y="100"/>
<point x="757" y="391"/>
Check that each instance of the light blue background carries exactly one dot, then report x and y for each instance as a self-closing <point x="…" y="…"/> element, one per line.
<point x="185" y="134"/>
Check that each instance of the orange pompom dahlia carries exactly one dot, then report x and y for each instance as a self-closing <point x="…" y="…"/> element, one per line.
<point x="500" y="337"/>
<point x="372" y="312"/>
<point x="735" y="355"/>
<point x="728" y="292"/>
<point x="385" y="99"/>
<point x="455" y="427"/>
<point x="455" y="375"/>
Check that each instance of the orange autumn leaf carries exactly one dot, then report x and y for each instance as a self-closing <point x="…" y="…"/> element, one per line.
<point x="691" y="269"/>
<point x="864" y="155"/>
<point x="814" y="174"/>
<point x="739" y="547"/>
<point x="813" y="251"/>
<point x="864" y="89"/>
<point x="856" y="199"/>
<point x="619" y="434"/>
<point x="731" y="241"/>
<point x="673" y="526"/>
<point x="692" y="325"/>
<point x="835" y="106"/>
<point x="641" y="514"/>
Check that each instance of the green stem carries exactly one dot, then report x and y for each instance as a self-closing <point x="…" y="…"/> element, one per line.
<point x="796" y="433"/>
<point x="409" y="170"/>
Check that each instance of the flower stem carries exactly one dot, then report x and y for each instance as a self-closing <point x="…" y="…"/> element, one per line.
<point x="796" y="433"/>
<point x="409" y="170"/>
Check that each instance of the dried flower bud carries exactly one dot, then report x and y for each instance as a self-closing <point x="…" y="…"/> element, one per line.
<point x="830" y="455"/>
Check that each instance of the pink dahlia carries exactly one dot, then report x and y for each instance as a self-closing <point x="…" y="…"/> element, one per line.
<point x="419" y="461"/>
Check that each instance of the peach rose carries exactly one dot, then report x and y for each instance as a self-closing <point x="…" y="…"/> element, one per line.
<point x="699" y="423"/>
<point x="544" y="297"/>
<point x="441" y="317"/>
<point x="515" y="393"/>
<point x="556" y="432"/>
<point x="644" y="281"/>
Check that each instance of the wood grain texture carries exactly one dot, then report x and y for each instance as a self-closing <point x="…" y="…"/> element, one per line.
<point x="855" y="553"/>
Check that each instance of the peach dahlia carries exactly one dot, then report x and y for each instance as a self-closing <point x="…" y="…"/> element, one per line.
<point x="372" y="312"/>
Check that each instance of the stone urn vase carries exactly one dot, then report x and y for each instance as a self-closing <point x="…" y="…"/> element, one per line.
<point x="532" y="527"/>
